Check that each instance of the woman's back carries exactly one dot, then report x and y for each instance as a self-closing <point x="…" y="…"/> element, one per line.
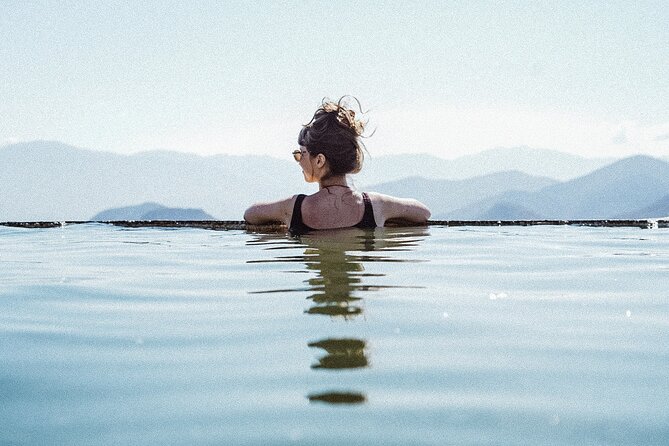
<point x="332" y="210"/>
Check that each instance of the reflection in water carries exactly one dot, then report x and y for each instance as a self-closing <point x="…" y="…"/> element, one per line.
<point x="338" y="397"/>
<point x="337" y="277"/>
<point x="341" y="354"/>
<point x="336" y="259"/>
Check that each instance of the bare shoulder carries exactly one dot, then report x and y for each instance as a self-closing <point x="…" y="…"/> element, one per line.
<point x="279" y="211"/>
<point x="393" y="209"/>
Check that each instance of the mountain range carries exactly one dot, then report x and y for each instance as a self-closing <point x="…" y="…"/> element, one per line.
<point x="151" y="211"/>
<point x="45" y="180"/>
<point x="539" y="162"/>
<point x="442" y="196"/>
<point x="629" y="188"/>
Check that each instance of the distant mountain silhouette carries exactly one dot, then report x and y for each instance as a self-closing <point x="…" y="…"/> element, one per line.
<point x="45" y="180"/>
<point x="658" y="209"/>
<point x="508" y="211"/>
<point x="627" y="187"/>
<point x="151" y="211"/>
<point x="443" y="195"/>
<point x="621" y="187"/>
<point x="535" y="162"/>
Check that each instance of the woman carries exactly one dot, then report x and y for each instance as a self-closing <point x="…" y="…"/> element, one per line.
<point x="330" y="148"/>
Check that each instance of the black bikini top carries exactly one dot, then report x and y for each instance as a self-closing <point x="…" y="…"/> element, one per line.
<point x="297" y="226"/>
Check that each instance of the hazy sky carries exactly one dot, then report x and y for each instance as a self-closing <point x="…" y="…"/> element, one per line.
<point x="442" y="77"/>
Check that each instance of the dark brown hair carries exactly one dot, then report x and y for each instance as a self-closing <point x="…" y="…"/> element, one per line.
<point x="335" y="132"/>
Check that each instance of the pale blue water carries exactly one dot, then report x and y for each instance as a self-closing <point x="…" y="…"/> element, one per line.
<point x="514" y="335"/>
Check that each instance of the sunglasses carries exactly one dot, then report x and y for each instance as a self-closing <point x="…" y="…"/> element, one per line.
<point x="297" y="154"/>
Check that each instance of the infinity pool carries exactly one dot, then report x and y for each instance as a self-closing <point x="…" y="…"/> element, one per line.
<point x="436" y="335"/>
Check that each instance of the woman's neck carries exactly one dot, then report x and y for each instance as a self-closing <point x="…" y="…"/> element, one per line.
<point x="333" y="181"/>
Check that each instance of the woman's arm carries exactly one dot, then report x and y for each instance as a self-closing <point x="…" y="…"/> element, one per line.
<point x="271" y="212"/>
<point x="388" y="209"/>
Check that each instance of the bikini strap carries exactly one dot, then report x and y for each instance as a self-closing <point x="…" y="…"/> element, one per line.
<point x="297" y="226"/>
<point x="368" y="220"/>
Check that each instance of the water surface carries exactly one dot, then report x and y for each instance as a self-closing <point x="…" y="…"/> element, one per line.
<point x="514" y="335"/>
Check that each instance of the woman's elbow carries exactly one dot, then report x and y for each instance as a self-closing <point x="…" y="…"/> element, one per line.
<point x="264" y="213"/>
<point x="423" y="215"/>
<point x="251" y="216"/>
<point x="410" y="212"/>
<point x="426" y="214"/>
<point x="419" y="212"/>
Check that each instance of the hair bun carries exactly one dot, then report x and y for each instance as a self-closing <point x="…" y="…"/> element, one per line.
<point x="345" y="115"/>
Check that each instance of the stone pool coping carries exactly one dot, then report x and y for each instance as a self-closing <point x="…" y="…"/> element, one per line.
<point x="241" y="225"/>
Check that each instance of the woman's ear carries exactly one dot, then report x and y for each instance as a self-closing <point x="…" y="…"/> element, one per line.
<point x="320" y="160"/>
